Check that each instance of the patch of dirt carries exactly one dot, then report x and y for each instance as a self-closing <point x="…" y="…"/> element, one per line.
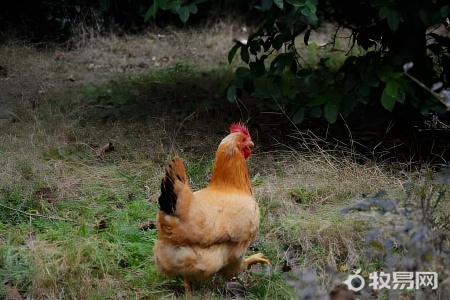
<point x="27" y="75"/>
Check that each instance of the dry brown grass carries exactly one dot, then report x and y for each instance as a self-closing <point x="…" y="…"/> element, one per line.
<point x="301" y="199"/>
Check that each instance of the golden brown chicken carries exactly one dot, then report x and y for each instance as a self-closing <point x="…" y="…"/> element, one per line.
<point x="208" y="231"/>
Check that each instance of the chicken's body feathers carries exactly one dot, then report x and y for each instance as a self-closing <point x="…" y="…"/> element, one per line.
<point x="208" y="231"/>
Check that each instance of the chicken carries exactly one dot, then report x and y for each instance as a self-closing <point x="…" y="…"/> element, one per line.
<point x="208" y="231"/>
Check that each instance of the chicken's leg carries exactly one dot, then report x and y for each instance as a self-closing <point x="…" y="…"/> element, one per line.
<point x="254" y="259"/>
<point x="187" y="286"/>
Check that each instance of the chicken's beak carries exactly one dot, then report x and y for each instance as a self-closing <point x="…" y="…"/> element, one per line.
<point x="250" y="144"/>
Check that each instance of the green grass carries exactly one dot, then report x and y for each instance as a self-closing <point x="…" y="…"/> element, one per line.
<point x="63" y="255"/>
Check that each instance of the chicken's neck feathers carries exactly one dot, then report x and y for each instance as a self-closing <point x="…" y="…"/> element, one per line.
<point x="230" y="172"/>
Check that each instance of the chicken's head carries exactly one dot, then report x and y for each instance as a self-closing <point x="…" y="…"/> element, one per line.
<point x="246" y="139"/>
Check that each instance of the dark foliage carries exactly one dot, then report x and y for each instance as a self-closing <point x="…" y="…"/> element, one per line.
<point x="392" y="33"/>
<point x="56" y="20"/>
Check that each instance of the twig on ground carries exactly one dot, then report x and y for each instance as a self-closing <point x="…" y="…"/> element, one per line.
<point x="38" y="215"/>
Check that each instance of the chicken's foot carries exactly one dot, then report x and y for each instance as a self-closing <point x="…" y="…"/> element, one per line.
<point x="254" y="259"/>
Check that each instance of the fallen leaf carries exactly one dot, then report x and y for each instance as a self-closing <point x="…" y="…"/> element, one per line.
<point x="106" y="148"/>
<point x="103" y="224"/>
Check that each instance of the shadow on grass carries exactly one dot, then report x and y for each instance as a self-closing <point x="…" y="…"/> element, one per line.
<point x="176" y="91"/>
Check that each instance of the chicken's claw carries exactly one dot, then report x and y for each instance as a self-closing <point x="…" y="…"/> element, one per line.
<point x="256" y="258"/>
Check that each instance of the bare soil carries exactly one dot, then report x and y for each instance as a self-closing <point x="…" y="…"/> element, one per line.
<point x="31" y="74"/>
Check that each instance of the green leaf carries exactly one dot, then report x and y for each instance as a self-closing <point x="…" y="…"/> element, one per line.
<point x="331" y="112"/>
<point x="279" y="3"/>
<point x="231" y="93"/>
<point x="387" y="101"/>
<point x="394" y="17"/>
<point x="184" y="14"/>
<point x="424" y="17"/>
<point x="242" y="72"/>
<point x="312" y="20"/>
<point x="175" y="6"/>
<point x="163" y="4"/>
<point x="293" y="91"/>
<point x="245" y="56"/>
<point x="391" y="88"/>
<point x="282" y="61"/>
<point x="445" y="11"/>
<point x="267" y="44"/>
<point x="306" y="11"/>
<point x="384" y="12"/>
<point x="266" y="4"/>
<point x="232" y="52"/>
<point x="385" y="73"/>
<point x="299" y="115"/>
<point x="255" y="47"/>
<point x="311" y="6"/>
<point x="151" y="12"/>
<point x="192" y="8"/>
<point x="279" y="40"/>
<point x="400" y="96"/>
<point x="297" y="3"/>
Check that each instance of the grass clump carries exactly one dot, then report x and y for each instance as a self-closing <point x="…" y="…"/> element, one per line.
<point x="15" y="263"/>
<point x="304" y="219"/>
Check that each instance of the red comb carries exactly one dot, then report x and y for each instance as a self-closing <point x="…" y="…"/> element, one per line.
<point x="239" y="127"/>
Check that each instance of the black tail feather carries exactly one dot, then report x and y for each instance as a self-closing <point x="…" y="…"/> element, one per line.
<point x="168" y="199"/>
